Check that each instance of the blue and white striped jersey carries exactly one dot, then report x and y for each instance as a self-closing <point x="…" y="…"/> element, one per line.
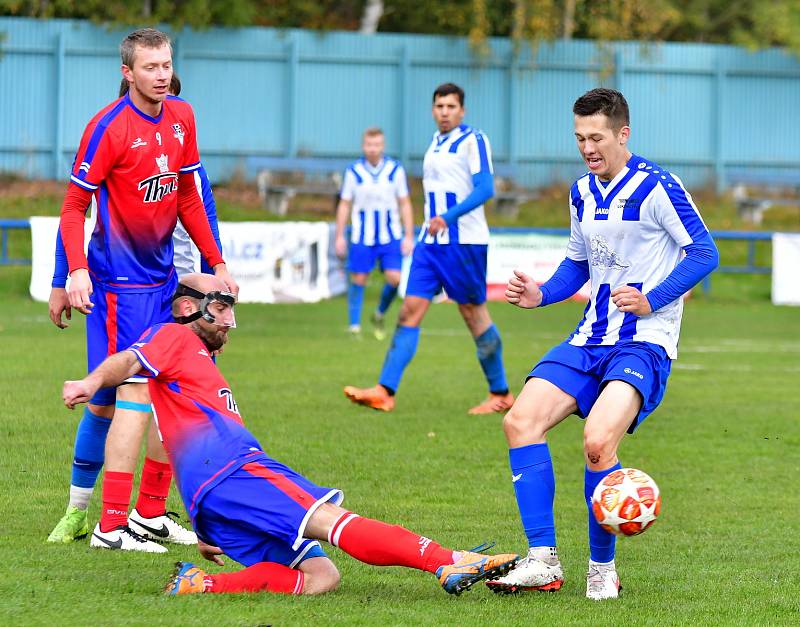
<point x="631" y="230"/>
<point x="373" y="191"/>
<point x="450" y="162"/>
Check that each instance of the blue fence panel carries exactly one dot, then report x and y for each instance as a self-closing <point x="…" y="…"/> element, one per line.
<point x="702" y="110"/>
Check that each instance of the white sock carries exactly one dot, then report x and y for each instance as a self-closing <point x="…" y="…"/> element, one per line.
<point x="603" y="565"/>
<point x="547" y="554"/>
<point x="80" y="497"/>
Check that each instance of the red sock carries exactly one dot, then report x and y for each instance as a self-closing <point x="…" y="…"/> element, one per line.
<point x="374" y="542"/>
<point x="261" y="577"/>
<point x="154" y="489"/>
<point x="117" y="488"/>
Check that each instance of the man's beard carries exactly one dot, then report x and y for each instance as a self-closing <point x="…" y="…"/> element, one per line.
<point x="212" y="338"/>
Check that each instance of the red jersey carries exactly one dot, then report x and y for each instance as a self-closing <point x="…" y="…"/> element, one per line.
<point x="195" y="411"/>
<point x="137" y="166"/>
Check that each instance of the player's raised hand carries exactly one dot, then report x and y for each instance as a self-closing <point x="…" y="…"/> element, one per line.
<point x="76" y="392"/>
<point x="436" y="225"/>
<point x="523" y="291"/>
<point x="80" y="289"/>
<point x="629" y="299"/>
<point x="58" y="305"/>
<point x="211" y="553"/>
<point x="221" y="272"/>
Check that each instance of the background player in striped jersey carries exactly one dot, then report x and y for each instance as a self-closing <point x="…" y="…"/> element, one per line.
<point x="631" y="222"/>
<point x="137" y="156"/>
<point x="450" y="254"/>
<point x="253" y="508"/>
<point x="93" y="428"/>
<point x="373" y="189"/>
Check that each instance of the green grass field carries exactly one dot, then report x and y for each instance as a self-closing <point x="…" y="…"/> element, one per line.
<point x="724" y="447"/>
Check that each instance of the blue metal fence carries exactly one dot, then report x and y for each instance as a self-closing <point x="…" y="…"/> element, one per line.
<point x="702" y="110"/>
<point x="751" y="267"/>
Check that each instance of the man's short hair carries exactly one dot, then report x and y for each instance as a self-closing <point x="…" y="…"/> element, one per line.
<point x="145" y="38"/>
<point x="373" y="131"/>
<point x="174" y="86"/>
<point x="608" y="102"/>
<point x="445" y="89"/>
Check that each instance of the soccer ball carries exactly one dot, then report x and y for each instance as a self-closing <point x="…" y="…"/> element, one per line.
<point x="626" y="502"/>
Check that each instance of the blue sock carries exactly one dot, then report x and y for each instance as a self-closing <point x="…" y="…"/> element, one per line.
<point x="535" y="489"/>
<point x="387" y="296"/>
<point x="355" y="297"/>
<point x="601" y="543"/>
<point x="90" y="445"/>
<point x="490" y="354"/>
<point x="404" y="345"/>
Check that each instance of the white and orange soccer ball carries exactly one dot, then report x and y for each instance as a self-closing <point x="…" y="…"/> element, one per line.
<point x="626" y="502"/>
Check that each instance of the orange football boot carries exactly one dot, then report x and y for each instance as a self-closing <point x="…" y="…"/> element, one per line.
<point x="376" y="397"/>
<point x="187" y="579"/>
<point x="495" y="403"/>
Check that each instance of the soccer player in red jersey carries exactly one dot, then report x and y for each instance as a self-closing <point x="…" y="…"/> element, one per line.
<point x="137" y="157"/>
<point x="241" y="502"/>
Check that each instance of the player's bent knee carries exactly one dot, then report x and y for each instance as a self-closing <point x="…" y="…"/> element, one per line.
<point x="320" y="575"/>
<point x="599" y="448"/>
<point x="520" y="426"/>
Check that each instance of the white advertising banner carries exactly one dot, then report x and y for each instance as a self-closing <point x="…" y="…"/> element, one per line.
<point x="786" y="268"/>
<point x="43" y="245"/>
<point x="273" y="262"/>
<point x="536" y="254"/>
<point x="282" y="262"/>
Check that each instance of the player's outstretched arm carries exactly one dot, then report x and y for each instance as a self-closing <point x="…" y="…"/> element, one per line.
<point x="523" y="291"/>
<point x="112" y="372"/>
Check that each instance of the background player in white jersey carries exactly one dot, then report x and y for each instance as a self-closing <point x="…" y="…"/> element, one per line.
<point x="450" y="254"/>
<point x="373" y="189"/>
<point x="631" y="221"/>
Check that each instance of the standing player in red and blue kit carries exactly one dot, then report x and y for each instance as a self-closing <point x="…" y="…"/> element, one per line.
<point x="242" y="503"/>
<point x="90" y="438"/>
<point x="137" y="157"/>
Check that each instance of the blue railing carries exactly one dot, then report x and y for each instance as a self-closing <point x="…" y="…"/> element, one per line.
<point x="5" y="227"/>
<point x="751" y="267"/>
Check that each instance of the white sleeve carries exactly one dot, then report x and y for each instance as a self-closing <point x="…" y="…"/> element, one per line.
<point x="479" y="153"/>
<point x="348" y="186"/>
<point x="576" y="248"/>
<point x="183" y="257"/>
<point x="676" y="212"/>
<point x="400" y="183"/>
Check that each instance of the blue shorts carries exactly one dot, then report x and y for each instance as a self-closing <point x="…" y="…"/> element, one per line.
<point x="362" y="258"/>
<point x="118" y="319"/>
<point x="458" y="268"/>
<point x="259" y="514"/>
<point x="583" y="371"/>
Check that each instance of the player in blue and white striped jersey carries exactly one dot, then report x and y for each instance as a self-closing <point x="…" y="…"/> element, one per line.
<point x="631" y="223"/>
<point x="376" y="201"/>
<point x="450" y="254"/>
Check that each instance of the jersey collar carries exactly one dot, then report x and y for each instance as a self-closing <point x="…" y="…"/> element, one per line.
<point x="152" y="120"/>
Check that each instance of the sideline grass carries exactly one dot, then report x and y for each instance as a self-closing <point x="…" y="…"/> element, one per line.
<point x="723" y="447"/>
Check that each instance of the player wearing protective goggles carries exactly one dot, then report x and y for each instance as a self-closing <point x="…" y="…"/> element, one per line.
<point x="210" y="312"/>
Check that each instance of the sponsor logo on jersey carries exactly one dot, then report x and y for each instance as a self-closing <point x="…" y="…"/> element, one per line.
<point x="601" y="211"/>
<point x="161" y="184"/>
<point x="138" y="142"/>
<point x="178" y="133"/>
<point x="630" y="203"/>
<point x="162" y="164"/>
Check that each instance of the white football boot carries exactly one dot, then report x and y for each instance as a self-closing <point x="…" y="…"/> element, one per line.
<point x="539" y="570"/>
<point x="123" y="539"/>
<point x="161" y="528"/>
<point x="602" y="582"/>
